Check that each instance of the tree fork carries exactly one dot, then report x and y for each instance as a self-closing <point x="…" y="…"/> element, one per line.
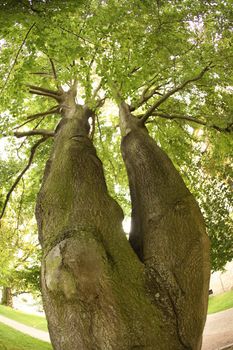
<point x="168" y="232"/>
<point x="93" y="284"/>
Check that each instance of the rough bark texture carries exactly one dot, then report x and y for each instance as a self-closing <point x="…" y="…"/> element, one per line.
<point x="94" y="287"/>
<point x="168" y="233"/>
<point x="7" y="297"/>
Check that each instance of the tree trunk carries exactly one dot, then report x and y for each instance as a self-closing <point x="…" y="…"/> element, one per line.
<point x="7" y="297"/>
<point x="168" y="233"/>
<point x="93" y="284"/>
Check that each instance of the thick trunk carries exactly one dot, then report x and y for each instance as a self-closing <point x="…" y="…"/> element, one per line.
<point x="168" y="233"/>
<point x="7" y="297"/>
<point x="93" y="284"/>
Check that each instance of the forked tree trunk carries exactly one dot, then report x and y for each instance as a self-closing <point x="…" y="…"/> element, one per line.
<point x="97" y="293"/>
<point x="94" y="286"/>
<point x="7" y="297"/>
<point x="168" y="233"/>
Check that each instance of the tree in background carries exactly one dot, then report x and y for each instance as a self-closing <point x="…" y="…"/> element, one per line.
<point x="20" y="253"/>
<point x="166" y="68"/>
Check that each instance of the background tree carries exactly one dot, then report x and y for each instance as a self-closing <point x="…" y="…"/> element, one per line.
<point x="164" y="64"/>
<point x="20" y="261"/>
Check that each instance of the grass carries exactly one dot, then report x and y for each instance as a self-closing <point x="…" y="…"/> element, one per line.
<point x="38" y="322"/>
<point x="11" y="339"/>
<point x="220" y="302"/>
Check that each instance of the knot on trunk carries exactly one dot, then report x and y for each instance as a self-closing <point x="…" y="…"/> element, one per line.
<point x="74" y="267"/>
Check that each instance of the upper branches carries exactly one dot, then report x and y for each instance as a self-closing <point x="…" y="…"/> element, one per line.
<point x="172" y="116"/>
<point x="172" y="92"/>
<point x="16" y="57"/>
<point x="153" y="89"/>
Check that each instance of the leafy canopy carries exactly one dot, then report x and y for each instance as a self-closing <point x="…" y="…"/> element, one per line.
<point x="170" y="60"/>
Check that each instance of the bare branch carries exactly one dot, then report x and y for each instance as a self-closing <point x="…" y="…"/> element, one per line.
<point x="43" y="132"/>
<point x="16" y="57"/>
<point x="46" y="94"/>
<point x="41" y="89"/>
<point x="146" y="95"/>
<point x="95" y="92"/>
<point x="77" y="35"/>
<point x="100" y="102"/>
<point x="30" y="118"/>
<point x="172" y="92"/>
<point x="53" y="69"/>
<point x="54" y="110"/>
<point x="42" y="73"/>
<point x="19" y="177"/>
<point x="228" y="128"/>
<point x="37" y="90"/>
<point x="20" y="207"/>
<point x="93" y="126"/>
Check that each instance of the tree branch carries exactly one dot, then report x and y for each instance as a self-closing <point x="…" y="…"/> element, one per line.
<point x="32" y="117"/>
<point x="172" y="92"/>
<point x="53" y="69"/>
<point x="54" y="110"/>
<point x="43" y="132"/>
<point x="77" y="35"/>
<point x="146" y="95"/>
<point x="42" y="73"/>
<point x="16" y="57"/>
<point x="44" y="92"/>
<point x="93" y="127"/>
<point x="41" y="89"/>
<point x="227" y="129"/>
<point x="19" y="177"/>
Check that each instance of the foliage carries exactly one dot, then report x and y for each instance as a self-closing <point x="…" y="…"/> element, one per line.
<point x="140" y="51"/>
<point x="20" y="254"/>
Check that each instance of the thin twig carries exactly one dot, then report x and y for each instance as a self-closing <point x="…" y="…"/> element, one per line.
<point x="77" y="35"/>
<point x="16" y="57"/>
<point x="20" y="206"/>
<point x="19" y="177"/>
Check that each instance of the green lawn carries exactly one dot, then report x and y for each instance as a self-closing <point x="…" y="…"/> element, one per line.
<point x="11" y="339"/>
<point x="220" y="302"/>
<point x="38" y="322"/>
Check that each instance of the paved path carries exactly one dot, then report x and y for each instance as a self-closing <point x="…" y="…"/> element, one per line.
<point x="35" y="333"/>
<point x="218" y="331"/>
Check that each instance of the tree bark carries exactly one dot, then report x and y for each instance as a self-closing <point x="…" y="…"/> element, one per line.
<point x="7" y="297"/>
<point x="168" y="233"/>
<point x="94" y="286"/>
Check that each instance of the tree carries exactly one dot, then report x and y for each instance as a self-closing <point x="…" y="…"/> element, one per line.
<point x="159" y="63"/>
<point x="20" y="257"/>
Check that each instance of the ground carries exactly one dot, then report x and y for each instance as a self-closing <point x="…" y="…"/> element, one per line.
<point x="219" y="330"/>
